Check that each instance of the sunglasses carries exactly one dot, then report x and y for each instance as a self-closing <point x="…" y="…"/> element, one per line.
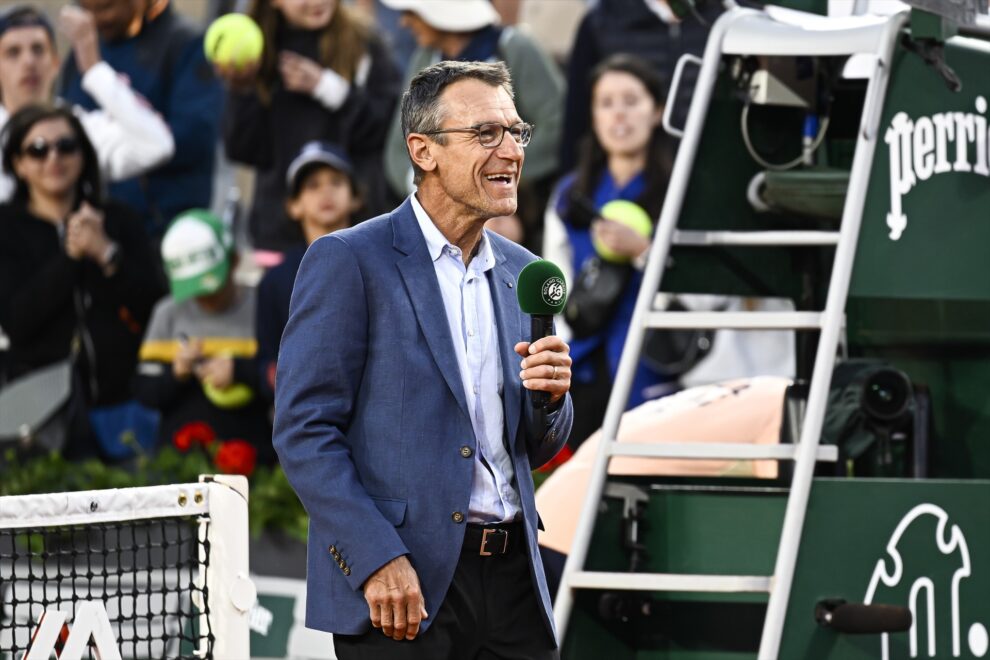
<point x="39" y="149"/>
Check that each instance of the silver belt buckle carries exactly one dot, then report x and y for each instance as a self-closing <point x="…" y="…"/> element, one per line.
<point x="484" y="541"/>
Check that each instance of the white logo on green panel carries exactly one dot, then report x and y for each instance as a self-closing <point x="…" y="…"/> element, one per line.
<point x="889" y="571"/>
<point x="928" y="146"/>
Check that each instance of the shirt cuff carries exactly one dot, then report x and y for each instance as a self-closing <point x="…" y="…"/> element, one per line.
<point x="99" y="78"/>
<point x="332" y="90"/>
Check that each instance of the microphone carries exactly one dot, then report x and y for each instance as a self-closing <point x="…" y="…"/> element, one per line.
<point x="542" y="293"/>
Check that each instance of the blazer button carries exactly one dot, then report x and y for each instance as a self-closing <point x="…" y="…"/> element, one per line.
<point x="466" y="451"/>
<point x="347" y="571"/>
<point x="457" y="517"/>
<point x="342" y="563"/>
<point x="333" y="549"/>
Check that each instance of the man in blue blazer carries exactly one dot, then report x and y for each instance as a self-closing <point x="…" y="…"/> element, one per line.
<point x="401" y="414"/>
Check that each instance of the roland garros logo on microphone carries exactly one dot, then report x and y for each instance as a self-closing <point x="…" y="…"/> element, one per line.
<point x="553" y="291"/>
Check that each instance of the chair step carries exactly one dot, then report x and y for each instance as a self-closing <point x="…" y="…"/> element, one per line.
<point x="669" y="582"/>
<point x="735" y="320"/>
<point x="755" y="238"/>
<point x="718" y="451"/>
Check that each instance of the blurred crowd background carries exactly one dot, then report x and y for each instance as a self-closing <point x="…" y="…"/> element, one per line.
<point x="156" y="205"/>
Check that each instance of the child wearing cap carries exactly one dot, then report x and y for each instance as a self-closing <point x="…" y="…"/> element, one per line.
<point x="197" y="359"/>
<point x="323" y="197"/>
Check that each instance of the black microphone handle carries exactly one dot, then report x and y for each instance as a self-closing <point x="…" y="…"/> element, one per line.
<point x="540" y="326"/>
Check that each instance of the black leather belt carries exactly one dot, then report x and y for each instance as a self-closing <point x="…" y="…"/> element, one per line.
<point x="492" y="540"/>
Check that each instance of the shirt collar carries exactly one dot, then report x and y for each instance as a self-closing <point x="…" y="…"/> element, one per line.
<point x="436" y="241"/>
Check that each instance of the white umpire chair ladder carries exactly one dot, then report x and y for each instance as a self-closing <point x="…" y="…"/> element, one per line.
<point x="741" y="31"/>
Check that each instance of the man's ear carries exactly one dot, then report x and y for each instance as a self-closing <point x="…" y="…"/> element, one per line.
<point x="420" y="151"/>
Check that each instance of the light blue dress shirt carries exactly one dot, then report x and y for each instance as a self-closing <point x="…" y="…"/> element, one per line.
<point x="468" y="301"/>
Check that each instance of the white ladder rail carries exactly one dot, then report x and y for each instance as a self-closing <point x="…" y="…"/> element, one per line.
<point x="828" y="342"/>
<point x="672" y="582"/>
<point x="726" y="451"/>
<point x="659" y="251"/>
<point x="775" y="238"/>
<point x="715" y="320"/>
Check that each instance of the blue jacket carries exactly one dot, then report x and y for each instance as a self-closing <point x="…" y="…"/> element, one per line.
<point x="370" y="415"/>
<point x="166" y="64"/>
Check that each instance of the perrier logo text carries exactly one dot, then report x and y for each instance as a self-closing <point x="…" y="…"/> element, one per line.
<point x="921" y="148"/>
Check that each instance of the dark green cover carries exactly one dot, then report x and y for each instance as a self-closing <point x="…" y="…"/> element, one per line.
<point x="541" y="289"/>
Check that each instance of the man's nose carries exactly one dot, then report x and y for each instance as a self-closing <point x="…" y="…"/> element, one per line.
<point x="510" y="149"/>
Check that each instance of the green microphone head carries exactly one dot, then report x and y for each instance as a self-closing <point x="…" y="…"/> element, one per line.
<point x="541" y="289"/>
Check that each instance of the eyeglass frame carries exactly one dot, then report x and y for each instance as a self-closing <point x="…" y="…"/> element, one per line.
<point x="476" y="129"/>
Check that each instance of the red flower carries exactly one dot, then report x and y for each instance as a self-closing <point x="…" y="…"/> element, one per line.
<point x="193" y="433"/>
<point x="236" y="457"/>
<point x="559" y="459"/>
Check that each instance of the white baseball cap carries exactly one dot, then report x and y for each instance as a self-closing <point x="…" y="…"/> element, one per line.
<point x="196" y="250"/>
<point x="449" y="15"/>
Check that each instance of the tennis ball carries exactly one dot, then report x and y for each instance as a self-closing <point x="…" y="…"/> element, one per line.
<point x="627" y="213"/>
<point x="237" y="395"/>
<point x="233" y="39"/>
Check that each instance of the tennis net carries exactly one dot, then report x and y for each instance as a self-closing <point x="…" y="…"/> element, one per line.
<point x="158" y="572"/>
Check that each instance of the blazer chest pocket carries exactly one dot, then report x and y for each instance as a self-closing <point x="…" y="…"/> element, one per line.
<point x="393" y="511"/>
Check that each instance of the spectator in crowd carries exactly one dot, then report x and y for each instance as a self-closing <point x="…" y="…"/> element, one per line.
<point x="468" y="30"/>
<point x="399" y="41"/>
<point x="324" y="75"/>
<point x="647" y="28"/>
<point x="197" y="358"/>
<point x="74" y="276"/>
<point x="629" y="157"/>
<point x="162" y="55"/>
<point x="129" y="136"/>
<point x="323" y="196"/>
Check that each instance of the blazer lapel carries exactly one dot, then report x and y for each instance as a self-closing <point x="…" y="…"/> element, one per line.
<point x="420" y="278"/>
<point x="502" y="284"/>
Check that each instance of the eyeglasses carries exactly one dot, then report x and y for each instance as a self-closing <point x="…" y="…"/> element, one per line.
<point x="39" y="148"/>
<point x="491" y="135"/>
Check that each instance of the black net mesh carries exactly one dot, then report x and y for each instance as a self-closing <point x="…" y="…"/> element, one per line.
<point x="150" y="575"/>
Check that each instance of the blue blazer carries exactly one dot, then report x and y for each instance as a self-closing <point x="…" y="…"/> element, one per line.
<point x="371" y="416"/>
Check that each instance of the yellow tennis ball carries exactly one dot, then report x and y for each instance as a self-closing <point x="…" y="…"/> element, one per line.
<point x="629" y="214"/>
<point x="237" y="395"/>
<point x="233" y="39"/>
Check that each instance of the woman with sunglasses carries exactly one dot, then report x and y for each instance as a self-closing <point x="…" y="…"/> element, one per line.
<point x="77" y="276"/>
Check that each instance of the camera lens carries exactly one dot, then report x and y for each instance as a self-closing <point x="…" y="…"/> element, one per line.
<point x="886" y="394"/>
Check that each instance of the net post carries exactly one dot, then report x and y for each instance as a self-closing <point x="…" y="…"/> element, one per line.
<point x="231" y="591"/>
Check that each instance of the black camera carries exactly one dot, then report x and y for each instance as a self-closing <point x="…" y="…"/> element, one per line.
<point x="887" y="395"/>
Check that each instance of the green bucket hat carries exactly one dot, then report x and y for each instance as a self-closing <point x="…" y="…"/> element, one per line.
<point x="196" y="250"/>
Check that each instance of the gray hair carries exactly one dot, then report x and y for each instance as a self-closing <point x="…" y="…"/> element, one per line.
<point x="422" y="111"/>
